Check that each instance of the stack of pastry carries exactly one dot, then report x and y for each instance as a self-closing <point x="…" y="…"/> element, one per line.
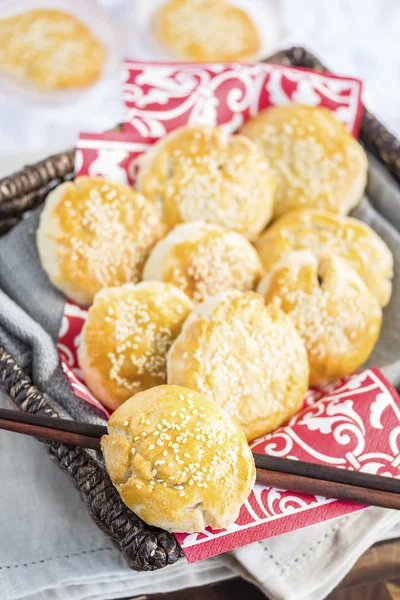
<point x="189" y="285"/>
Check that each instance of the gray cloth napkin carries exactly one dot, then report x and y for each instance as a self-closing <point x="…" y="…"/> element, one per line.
<point x="54" y="552"/>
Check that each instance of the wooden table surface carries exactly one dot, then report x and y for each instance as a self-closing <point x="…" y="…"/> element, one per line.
<point x="375" y="576"/>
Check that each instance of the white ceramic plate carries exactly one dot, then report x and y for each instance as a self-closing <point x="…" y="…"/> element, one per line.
<point x="139" y="27"/>
<point x="95" y="19"/>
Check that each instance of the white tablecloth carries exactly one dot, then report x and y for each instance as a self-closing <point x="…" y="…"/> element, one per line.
<point x="353" y="37"/>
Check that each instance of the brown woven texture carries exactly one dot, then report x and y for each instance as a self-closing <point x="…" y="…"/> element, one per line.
<point x="144" y="547"/>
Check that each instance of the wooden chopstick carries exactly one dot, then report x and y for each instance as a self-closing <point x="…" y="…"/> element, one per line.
<point x="86" y="429"/>
<point x="46" y="433"/>
<point x="329" y="489"/>
<point x="332" y="474"/>
<point x="283" y="473"/>
<point x="85" y="435"/>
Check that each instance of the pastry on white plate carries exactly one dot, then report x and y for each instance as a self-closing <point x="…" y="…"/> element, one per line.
<point x="206" y="30"/>
<point x="50" y="49"/>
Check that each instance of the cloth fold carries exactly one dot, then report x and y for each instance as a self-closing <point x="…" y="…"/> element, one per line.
<point x="53" y="550"/>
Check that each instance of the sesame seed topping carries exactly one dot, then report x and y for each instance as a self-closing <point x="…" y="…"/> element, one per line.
<point x="108" y="236"/>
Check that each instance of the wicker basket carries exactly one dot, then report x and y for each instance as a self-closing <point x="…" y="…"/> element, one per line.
<point x="144" y="547"/>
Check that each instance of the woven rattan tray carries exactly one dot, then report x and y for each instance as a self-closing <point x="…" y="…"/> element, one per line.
<point x="144" y="547"/>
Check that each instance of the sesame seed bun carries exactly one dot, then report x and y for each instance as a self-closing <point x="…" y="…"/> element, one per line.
<point x="247" y="357"/>
<point x="321" y="232"/>
<point x="124" y="342"/>
<point x="50" y="49"/>
<point x="203" y="259"/>
<point x="94" y="233"/>
<point x="317" y="163"/>
<point x="204" y="174"/>
<point x="206" y="30"/>
<point x="178" y="460"/>
<point x="337" y="316"/>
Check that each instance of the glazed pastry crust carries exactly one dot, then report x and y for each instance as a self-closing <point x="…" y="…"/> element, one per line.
<point x="317" y="163"/>
<point x="206" y="30"/>
<point x="204" y="174"/>
<point x="124" y="342"/>
<point x="337" y="316"/>
<point x="245" y="356"/>
<point x="94" y="233"/>
<point x="321" y="232"/>
<point x="178" y="460"/>
<point x="50" y="49"/>
<point x="204" y="259"/>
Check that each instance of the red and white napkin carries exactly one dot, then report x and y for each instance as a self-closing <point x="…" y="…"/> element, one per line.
<point x="354" y="424"/>
<point x="159" y="97"/>
<point x="112" y="154"/>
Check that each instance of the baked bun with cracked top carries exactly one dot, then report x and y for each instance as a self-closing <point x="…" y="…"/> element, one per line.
<point x="337" y="316"/>
<point x="94" y="233"/>
<point x="245" y="356"/>
<point x="50" y="49"/>
<point x="203" y="259"/>
<point x="178" y="460"/>
<point x="317" y="163"/>
<point x="205" y="174"/>
<point x="206" y="30"/>
<point x="321" y="231"/>
<point x="124" y="342"/>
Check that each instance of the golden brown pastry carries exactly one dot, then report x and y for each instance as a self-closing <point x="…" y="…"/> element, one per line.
<point x="128" y="332"/>
<point x="337" y="316"/>
<point x="317" y="163"/>
<point x="94" y="233"/>
<point x="178" y="460"/>
<point x="50" y="49"/>
<point x="203" y="259"/>
<point x="245" y="356"/>
<point x="206" y="30"/>
<point x="321" y="232"/>
<point x="204" y="174"/>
